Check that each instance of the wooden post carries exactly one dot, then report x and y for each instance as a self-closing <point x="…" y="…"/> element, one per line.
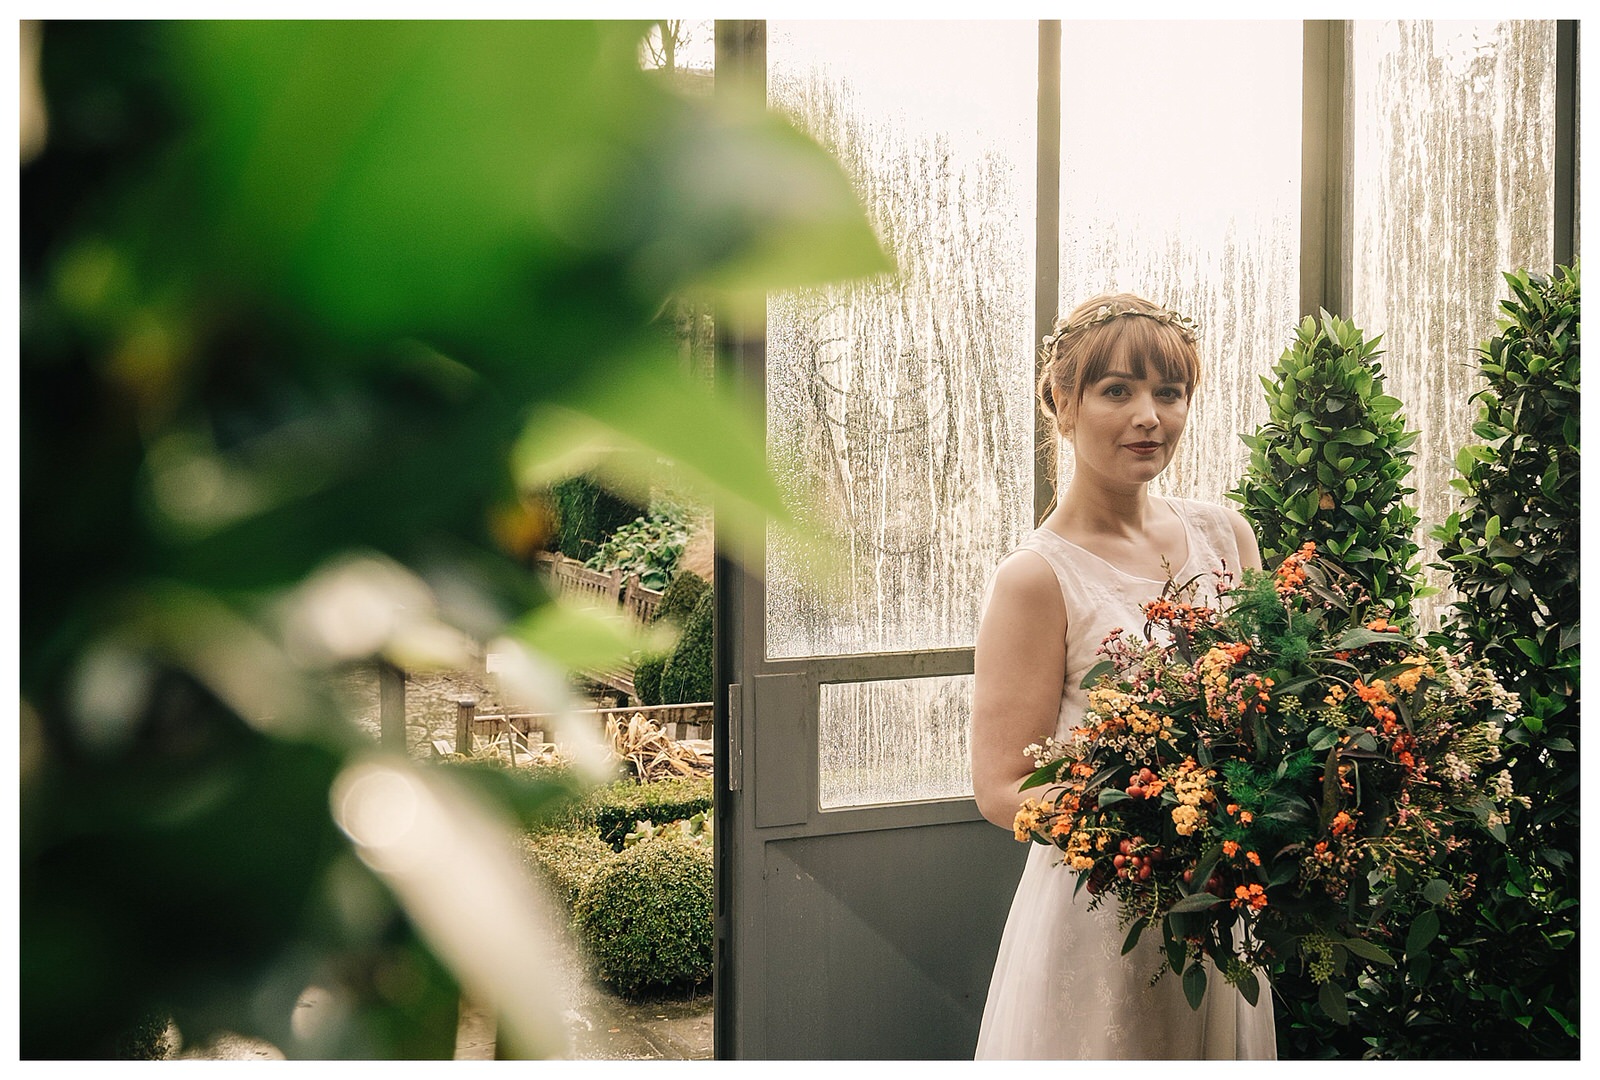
<point x="391" y="708"/>
<point x="466" y="712"/>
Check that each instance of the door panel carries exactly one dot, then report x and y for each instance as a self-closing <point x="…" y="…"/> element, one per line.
<point x="860" y="895"/>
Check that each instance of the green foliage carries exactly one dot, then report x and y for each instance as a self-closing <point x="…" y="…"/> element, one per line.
<point x="647" y="546"/>
<point x="566" y="858"/>
<point x="1499" y="978"/>
<point x="680" y="597"/>
<point x="1331" y="462"/>
<point x="647" y="677"/>
<point x="586" y="514"/>
<point x="304" y="307"/>
<point x="614" y="809"/>
<point x="687" y="676"/>
<point x="645" y="917"/>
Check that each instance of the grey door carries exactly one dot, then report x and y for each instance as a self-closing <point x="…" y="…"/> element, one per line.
<point x="860" y="896"/>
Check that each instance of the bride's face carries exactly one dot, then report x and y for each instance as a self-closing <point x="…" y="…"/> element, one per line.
<point x="1125" y="429"/>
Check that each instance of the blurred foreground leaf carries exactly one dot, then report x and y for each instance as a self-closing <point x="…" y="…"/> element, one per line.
<point x="291" y="293"/>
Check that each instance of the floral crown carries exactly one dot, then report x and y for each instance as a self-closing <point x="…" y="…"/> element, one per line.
<point x="1182" y="323"/>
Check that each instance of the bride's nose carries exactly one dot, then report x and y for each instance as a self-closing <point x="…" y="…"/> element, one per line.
<point x="1144" y="413"/>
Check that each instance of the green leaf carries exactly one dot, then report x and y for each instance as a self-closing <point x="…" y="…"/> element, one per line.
<point x="1367" y="950"/>
<point x="1200" y="901"/>
<point x="1424" y="928"/>
<point x="1331" y="997"/>
<point x="1092" y="676"/>
<point x="1436" y="891"/>
<point x="1250" y="986"/>
<point x="1194" y="985"/>
<point x="1111" y="796"/>
<point x="1132" y="940"/>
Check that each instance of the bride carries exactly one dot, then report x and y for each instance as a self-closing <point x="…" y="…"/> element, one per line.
<point x="1118" y="375"/>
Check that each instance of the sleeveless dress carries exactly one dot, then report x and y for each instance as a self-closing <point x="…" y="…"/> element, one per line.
<point x="1061" y="987"/>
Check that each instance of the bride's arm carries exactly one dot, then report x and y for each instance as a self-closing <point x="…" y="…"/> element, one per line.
<point x="1249" y="549"/>
<point x="1019" y="665"/>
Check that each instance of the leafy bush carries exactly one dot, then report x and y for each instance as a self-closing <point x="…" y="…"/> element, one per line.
<point x="647" y="677"/>
<point x="696" y="830"/>
<point x="687" y="676"/>
<point x="1497" y="977"/>
<point x="645" y="917"/>
<point x="566" y="859"/>
<point x="648" y="546"/>
<point x="614" y="809"/>
<point x="586" y="514"/>
<point x="1331" y="461"/>
<point x="680" y="597"/>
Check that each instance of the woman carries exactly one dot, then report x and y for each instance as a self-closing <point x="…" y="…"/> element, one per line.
<point x="1118" y="376"/>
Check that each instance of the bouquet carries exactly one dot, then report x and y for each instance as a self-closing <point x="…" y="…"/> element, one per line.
<point x="1265" y="782"/>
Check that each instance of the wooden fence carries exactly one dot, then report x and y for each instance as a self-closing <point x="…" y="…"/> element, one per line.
<point x="608" y="588"/>
<point x="528" y="731"/>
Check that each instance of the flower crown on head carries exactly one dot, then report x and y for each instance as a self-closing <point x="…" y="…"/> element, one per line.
<point x="1105" y="312"/>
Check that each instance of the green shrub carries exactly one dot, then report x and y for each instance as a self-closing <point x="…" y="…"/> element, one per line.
<point x="649" y="546"/>
<point x="566" y="859"/>
<point x="586" y="514"/>
<point x="687" y="676"/>
<point x="680" y="597"/>
<point x="614" y="809"/>
<point x="1500" y="979"/>
<point x="1512" y="553"/>
<point x="645" y="918"/>
<point x="647" y="677"/>
<point x="1330" y="464"/>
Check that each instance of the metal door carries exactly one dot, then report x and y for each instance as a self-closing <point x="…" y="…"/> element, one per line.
<point x="858" y="917"/>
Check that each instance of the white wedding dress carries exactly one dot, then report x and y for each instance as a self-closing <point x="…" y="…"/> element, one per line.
<point x="1062" y="988"/>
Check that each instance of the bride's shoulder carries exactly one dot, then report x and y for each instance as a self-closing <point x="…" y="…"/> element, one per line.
<point x="1025" y="579"/>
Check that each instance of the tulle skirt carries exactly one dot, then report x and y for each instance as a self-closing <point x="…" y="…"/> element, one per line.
<point x="1063" y="990"/>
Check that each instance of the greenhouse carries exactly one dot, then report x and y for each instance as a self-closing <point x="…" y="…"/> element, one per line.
<point x="467" y="466"/>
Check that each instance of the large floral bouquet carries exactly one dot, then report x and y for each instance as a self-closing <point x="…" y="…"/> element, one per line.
<point x="1269" y="782"/>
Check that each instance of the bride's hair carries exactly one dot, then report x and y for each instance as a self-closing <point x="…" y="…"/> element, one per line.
<point x="1113" y="329"/>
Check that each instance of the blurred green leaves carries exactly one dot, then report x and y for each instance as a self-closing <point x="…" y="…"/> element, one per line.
<point x="299" y="297"/>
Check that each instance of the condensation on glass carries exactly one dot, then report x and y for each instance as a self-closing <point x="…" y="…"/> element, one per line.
<point x="1454" y="183"/>
<point x="899" y="410"/>
<point x="894" y="741"/>
<point x="1180" y="181"/>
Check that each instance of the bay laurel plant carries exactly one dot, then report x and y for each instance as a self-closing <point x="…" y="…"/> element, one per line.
<point x="1512" y="552"/>
<point x="1330" y="464"/>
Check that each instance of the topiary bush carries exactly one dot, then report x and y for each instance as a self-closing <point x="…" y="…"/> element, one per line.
<point x="1331" y="462"/>
<point x="566" y="859"/>
<point x="645" y="918"/>
<point x="1497" y="977"/>
<point x="586" y="514"/>
<point x="647" y="677"/>
<point x="680" y="597"/>
<point x="1512" y="553"/>
<point x="687" y="675"/>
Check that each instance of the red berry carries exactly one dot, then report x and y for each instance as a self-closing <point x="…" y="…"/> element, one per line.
<point x="1119" y="861"/>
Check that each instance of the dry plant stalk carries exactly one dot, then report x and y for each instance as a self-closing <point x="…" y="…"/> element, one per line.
<point x="654" y="754"/>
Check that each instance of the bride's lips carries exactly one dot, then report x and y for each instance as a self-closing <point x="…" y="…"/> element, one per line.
<point x="1143" y="449"/>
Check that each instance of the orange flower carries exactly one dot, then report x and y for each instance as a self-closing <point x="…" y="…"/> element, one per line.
<point x="1342" y="823"/>
<point x="1253" y="895"/>
<point x="1230" y="847"/>
<point x="1246" y="817"/>
<point x="1255" y="860"/>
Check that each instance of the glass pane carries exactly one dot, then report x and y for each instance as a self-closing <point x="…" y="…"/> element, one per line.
<point x="1454" y="183"/>
<point x="901" y="408"/>
<point x="1180" y="181"/>
<point x="894" y="741"/>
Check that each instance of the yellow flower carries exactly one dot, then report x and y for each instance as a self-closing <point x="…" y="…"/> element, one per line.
<point x="1407" y="680"/>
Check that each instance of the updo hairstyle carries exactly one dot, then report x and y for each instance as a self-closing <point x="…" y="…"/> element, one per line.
<point x="1109" y="332"/>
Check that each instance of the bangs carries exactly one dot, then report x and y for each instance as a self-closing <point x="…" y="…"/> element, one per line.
<point x="1137" y="346"/>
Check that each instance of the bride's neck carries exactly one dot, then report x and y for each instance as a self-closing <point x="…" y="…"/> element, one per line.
<point x="1097" y="511"/>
